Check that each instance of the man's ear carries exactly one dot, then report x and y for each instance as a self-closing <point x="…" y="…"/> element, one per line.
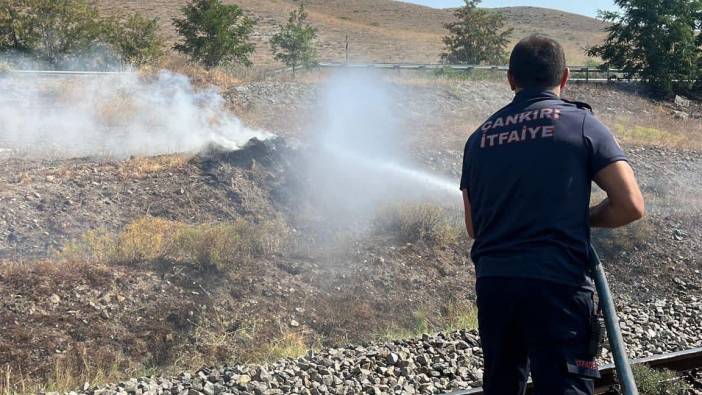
<point x="510" y="78"/>
<point x="565" y="78"/>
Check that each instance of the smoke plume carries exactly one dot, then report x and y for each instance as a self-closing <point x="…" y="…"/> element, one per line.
<point x="113" y="115"/>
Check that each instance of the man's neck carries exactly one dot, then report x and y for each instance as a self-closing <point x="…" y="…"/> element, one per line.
<point x="556" y="91"/>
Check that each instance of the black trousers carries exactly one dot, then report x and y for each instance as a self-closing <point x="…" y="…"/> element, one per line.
<point x="538" y="326"/>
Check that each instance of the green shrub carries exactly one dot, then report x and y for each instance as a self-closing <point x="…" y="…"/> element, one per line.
<point x="658" y="382"/>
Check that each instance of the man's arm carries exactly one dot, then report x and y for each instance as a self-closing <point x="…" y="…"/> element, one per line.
<point x="468" y="216"/>
<point x="624" y="203"/>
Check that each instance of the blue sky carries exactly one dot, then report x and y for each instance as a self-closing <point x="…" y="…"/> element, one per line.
<point x="583" y="7"/>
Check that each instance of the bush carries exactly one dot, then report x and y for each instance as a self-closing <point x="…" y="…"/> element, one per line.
<point x="412" y="222"/>
<point x="658" y="382"/>
<point x="224" y="246"/>
<point x="214" y="33"/>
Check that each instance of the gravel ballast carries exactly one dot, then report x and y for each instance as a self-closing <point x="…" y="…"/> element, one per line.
<point x="425" y="365"/>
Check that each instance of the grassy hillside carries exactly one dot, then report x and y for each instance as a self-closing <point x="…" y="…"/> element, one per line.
<point x="380" y="30"/>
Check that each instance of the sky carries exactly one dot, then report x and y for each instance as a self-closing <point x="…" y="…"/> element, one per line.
<point x="583" y="7"/>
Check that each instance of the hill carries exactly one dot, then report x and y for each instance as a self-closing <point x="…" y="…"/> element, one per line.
<point x="379" y="30"/>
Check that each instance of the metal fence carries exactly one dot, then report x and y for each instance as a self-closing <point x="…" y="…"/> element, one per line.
<point x="578" y="73"/>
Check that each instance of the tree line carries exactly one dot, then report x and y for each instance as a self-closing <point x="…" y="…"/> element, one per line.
<point x="68" y="33"/>
<point x="659" y="41"/>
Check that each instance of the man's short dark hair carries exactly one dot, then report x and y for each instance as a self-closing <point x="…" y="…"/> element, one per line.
<point x="537" y="61"/>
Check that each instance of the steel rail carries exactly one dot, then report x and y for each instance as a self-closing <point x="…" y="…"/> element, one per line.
<point x="681" y="361"/>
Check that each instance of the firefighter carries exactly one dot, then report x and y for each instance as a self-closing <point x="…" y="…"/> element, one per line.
<point x="526" y="182"/>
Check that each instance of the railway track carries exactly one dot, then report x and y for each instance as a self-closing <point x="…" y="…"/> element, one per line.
<point x="684" y="362"/>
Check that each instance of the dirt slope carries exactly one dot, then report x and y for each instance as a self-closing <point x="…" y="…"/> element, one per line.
<point x="382" y="30"/>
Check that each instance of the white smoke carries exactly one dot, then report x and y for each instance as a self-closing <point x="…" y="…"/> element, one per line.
<point x="114" y="115"/>
<point x="361" y="160"/>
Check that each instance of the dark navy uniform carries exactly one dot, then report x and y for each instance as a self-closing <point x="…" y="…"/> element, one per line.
<point x="528" y="172"/>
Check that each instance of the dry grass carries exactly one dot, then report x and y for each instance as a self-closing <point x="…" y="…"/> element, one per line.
<point x="223" y="246"/>
<point x="454" y="317"/>
<point x="290" y="345"/>
<point x="415" y="222"/>
<point x="141" y="166"/>
<point x="72" y="370"/>
<point x="199" y="76"/>
<point x="222" y="338"/>
<point x="663" y="131"/>
<point x="226" y="246"/>
<point x="461" y="317"/>
<point x="418" y="325"/>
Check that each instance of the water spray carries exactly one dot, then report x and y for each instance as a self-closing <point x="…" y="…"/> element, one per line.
<point x="422" y="179"/>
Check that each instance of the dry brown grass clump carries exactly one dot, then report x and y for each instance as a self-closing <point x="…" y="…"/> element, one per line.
<point x="140" y="166"/>
<point x="415" y="222"/>
<point x="222" y="246"/>
<point x="70" y="371"/>
<point x="663" y="131"/>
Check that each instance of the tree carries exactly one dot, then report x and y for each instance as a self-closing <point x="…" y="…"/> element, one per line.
<point x="71" y="33"/>
<point x="16" y="30"/>
<point x="51" y="31"/>
<point x="214" y="33"/>
<point x="476" y="36"/>
<point x="294" y="44"/>
<point x="659" y="41"/>
<point x="136" y="40"/>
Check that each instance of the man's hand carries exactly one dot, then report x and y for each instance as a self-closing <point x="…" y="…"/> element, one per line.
<point x="624" y="203"/>
<point x="469" y="217"/>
